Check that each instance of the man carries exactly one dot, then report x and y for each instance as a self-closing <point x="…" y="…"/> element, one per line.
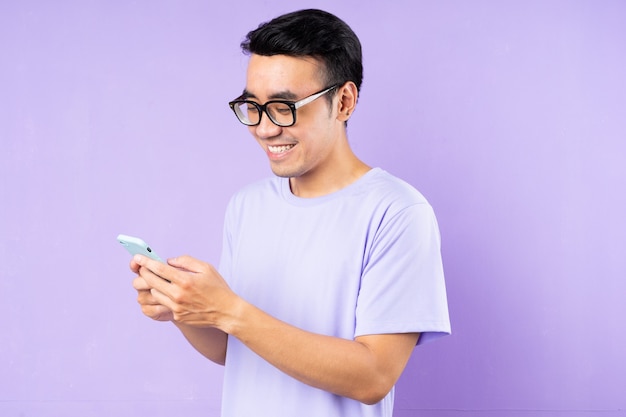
<point x="331" y="270"/>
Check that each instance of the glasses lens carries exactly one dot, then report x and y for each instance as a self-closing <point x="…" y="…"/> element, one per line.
<point x="247" y="112"/>
<point x="280" y="113"/>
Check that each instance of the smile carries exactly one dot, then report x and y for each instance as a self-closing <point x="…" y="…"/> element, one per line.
<point x="279" y="149"/>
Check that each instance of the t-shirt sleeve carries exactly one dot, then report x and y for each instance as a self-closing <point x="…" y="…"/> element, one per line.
<point x="402" y="285"/>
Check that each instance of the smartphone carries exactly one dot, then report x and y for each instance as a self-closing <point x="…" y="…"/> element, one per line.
<point x="135" y="246"/>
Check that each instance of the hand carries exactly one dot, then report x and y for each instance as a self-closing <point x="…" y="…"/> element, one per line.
<point x="185" y="290"/>
<point x="149" y="305"/>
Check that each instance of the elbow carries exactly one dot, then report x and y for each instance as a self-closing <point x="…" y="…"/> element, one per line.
<point x="218" y="360"/>
<point x="374" y="392"/>
<point x="372" y="398"/>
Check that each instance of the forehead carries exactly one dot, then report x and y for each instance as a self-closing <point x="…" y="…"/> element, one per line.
<point x="268" y="75"/>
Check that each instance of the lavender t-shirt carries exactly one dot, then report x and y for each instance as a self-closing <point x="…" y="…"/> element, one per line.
<point x="363" y="260"/>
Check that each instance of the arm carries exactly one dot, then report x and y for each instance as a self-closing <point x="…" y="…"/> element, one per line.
<point x="210" y="342"/>
<point x="364" y="369"/>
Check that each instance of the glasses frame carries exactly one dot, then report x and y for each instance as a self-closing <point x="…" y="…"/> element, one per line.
<point x="262" y="108"/>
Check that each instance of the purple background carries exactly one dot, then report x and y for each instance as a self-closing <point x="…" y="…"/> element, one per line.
<point x="510" y="118"/>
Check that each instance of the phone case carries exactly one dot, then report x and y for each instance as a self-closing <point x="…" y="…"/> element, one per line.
<point x="135" y="246"/>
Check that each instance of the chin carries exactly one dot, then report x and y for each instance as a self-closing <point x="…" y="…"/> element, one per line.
<point x="285" y="172"/>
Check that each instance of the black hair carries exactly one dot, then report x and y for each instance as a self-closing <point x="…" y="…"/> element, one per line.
<point x="313" y="33"/>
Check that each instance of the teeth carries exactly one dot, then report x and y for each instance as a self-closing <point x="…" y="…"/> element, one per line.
<point x="279" y="149"/>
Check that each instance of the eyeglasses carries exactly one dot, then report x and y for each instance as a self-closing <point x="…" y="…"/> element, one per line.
<point x="281" y="112"/>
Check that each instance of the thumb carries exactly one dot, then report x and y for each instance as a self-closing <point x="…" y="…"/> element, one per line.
<point x="187" y="263"/>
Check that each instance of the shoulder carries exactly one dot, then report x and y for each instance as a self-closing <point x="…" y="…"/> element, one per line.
<point x="397" y="208"/>
<point x="391" y="191"/>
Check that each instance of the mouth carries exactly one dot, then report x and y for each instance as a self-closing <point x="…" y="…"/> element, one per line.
<point x="279" y="149"/>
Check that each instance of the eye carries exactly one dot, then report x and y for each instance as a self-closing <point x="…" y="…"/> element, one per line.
<point x="280" y="109"/>
<point x="251" y="108"/>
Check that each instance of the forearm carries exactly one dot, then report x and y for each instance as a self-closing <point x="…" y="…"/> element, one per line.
<point x="206" y="310"/>
<point x="352" y="368"/>
<point x="209" y="341"/>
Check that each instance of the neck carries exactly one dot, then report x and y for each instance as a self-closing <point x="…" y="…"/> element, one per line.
<point x="328" y="181"/>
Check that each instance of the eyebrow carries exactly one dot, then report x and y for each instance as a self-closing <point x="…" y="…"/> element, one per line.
<point x="281" y="95"/>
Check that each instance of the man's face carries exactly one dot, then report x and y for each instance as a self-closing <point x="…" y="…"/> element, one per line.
<point x="308" y="147"/>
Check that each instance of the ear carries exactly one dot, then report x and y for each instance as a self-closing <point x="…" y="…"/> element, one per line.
<point x="348" y="95"/>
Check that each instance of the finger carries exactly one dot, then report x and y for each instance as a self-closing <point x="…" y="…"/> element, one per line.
<point x="157" y="312"/>
<point x="145" y="298"/>
<point x="157" y="268"/>
<point x="187" y="263"/>
<point x="134" y="266"/>
<point x="157" y="297"/>
<point x="154" y="281"/>
<point x="140" y="284"/>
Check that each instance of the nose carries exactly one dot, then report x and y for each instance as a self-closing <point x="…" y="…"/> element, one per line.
<point x="266" y="128"/>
